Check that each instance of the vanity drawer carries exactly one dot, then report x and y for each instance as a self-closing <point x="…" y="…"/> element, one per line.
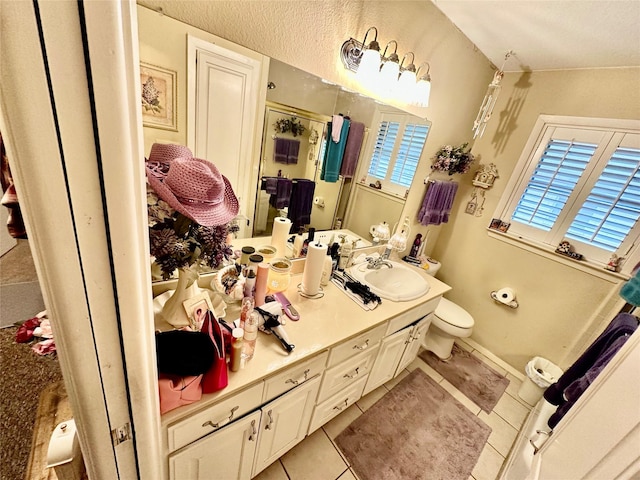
<point x="356" y="345"/>
<point x="344" y="374"/>
<point x="407" y="318"/>
<point x="293" y="376"/>
<point x="337" y="404"/>
<point x="183" y="432"/>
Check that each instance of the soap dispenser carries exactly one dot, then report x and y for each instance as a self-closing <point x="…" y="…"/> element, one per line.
<point x="345" y="252"/>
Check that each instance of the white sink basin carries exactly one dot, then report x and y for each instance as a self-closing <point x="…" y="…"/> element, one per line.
<point x="400" y="283"/>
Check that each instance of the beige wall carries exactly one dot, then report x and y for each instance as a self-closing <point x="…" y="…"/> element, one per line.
<point x="559" y="305"/>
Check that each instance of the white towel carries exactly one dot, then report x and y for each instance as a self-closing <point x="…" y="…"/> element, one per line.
<point x="336" y="127"/>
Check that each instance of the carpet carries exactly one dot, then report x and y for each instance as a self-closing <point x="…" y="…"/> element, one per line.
<point x="479" y="382"/>
<point x="416" y="431"/>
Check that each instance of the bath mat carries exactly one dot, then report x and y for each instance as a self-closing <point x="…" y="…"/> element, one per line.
<point x="416" y="431"/>
<point x="479" y="382"/>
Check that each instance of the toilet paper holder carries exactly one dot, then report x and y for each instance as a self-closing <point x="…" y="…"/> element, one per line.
<point x="512" y="303"/>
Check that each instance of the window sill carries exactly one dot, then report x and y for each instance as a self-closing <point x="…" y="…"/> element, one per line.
<point x="586" y="266"/>
<point x="383" y="191"/>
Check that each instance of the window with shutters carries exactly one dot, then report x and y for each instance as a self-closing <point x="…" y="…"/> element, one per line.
<point x="578" y="180"/>
<point x="395" y="151"/>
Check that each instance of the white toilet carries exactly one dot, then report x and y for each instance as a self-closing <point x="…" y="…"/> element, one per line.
<point x="449" y="322"/>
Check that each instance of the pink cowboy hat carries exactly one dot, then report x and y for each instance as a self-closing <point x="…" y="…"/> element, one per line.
<point x="195" y="188"/>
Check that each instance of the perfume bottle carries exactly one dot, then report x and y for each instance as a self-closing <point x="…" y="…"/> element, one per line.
<point x="250" y="335"/>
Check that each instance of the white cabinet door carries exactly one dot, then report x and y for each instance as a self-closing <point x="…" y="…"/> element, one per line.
<point x="227" y="453"/>
<point x="386" y="364"/>
<point x="416" y="335"/>
<point x="284" y="423"/>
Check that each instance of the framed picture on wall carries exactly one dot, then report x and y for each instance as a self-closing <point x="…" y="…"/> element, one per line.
<point x="158" y="98"/>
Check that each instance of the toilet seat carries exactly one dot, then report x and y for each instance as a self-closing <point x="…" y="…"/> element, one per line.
<point x="454" y="315"/>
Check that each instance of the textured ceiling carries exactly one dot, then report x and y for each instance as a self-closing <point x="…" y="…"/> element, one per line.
<point x="551" y="34"/>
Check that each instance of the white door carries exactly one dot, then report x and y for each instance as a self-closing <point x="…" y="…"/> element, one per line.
<point x="600" y="436"/>
<point x="386" y="364"/>
<point x="416" y="336"/>
<point x="285" y="422"/>
<point x="226" y="99"/>
<point x="228" y="453"/>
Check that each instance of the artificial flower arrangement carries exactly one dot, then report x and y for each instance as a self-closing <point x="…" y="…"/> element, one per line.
<point x="176" y="241"/>
<point x="453" y="159"/>
<point x="292" y="125"/>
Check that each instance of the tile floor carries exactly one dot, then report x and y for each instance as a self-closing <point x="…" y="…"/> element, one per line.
<point x="317" y="457"/>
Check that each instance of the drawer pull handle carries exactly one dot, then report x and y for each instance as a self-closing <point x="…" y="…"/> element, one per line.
<point x="223" y="421"/>
<point x="363" y="346"/>
<point x="537" y="448"/>
<point x="268" y="425"/>
<point x="356" y="372"/>
<point x="253" y="433"/>
<point x="341" y="407"/>
<point x="302" y="380"/>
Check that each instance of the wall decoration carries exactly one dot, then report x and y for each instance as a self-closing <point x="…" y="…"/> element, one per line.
<point x="485" y="176"/>
<point x="158" y="99"/>
<point x="292" y="124"/>
<point x="566" y="249"/>
<point x="453" y="159"/>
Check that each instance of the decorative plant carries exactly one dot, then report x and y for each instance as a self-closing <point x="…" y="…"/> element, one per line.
<point x="176" y="241"/>
<point x="453" y="159"/>
<point x="292" y="125"/>
<point x="151" y="96"/>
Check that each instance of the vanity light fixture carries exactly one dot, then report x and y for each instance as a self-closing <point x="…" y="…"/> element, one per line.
<point x="489" y="101"/>
<point x="386" y="75"/>
<point x="390" y="70"/>
<point x="422" y="90"/>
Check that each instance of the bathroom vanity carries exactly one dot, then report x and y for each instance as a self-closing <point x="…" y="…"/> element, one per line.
<point x="341" y="353"/>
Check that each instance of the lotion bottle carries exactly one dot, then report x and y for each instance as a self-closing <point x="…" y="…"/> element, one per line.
<point x="297" y="244"/>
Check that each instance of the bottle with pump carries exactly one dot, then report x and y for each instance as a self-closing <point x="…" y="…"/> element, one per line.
<point x="309" y="239"/>
<point x="345" y="252"/>
<point x="298" y="242"/>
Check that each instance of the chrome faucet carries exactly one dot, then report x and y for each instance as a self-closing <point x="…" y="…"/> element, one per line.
<point x="382" y="260"/>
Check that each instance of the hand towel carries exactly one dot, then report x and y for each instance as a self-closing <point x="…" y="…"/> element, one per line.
<point x="352" y="149"/>
<point x="338" y="120"/>
<point x="270" y="185"/>
<point x="282" y="196"/>
<point x="437" y="203"/>
<point x="334" y="153"/>
<point x="301" y="202"/>
<point x="292" y="155"/>
<point x="281" y="150"/>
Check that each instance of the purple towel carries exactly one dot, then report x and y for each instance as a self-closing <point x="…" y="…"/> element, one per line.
<point x="281" y="150"/>
<point x="352" y="150"/>
<point x="437" y="203"/>
<point x="283" y="193"/>
<point x="301" y="202"/>
<point x="294" y="148"/>
<point x="271" y="185"/>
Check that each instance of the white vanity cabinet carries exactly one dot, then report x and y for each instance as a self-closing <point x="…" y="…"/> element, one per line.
<point x="227" y="453"/>
<point x="284" y="423"/>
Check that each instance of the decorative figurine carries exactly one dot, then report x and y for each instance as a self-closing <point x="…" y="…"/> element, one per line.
<point x="485" y="177"/>
<point x="614" y="263"/>
<point x="565" y="248"/>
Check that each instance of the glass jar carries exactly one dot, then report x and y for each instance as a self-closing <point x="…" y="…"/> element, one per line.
<point x="246" y="253"/>
<point x="279" y="275"/>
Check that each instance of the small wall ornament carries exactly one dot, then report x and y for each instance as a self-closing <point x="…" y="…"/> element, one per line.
<point x="485" y="176"/>
<point x="292" y="124"/>
<point x="566" y="249"/>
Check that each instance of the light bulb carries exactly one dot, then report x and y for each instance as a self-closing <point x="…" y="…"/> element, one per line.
<point x="422" y="92"/>
<point x="369" y="67"/>
<point x="406" y="86"/>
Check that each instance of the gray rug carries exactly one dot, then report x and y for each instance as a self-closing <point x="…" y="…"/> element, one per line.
<point x="479" y="382"/>
<point x="416" y="431"/>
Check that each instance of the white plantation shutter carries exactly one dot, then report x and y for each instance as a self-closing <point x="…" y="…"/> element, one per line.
<point x="581" y="183"/>
<point x="409" y="153"/>
<point x="383" y="149"/>
<point x="552" y="182"/>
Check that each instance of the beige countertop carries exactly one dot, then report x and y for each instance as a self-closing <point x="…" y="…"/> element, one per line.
<point x="324" y="322"/>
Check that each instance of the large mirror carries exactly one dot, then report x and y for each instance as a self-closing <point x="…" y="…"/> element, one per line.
<point x="355" y="201"/>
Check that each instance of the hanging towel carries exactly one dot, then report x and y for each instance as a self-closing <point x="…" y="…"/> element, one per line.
<point x="281" y="150"/>
<point x="294" y="148"/>
<point x="270" y="185"/>
<point x="301" y="202"/>
<point x="334" y="153"/>
<point x="338" y="120"/>
<point x="437" y="203"/>
<point x="352" y="150"/>
<point x="282" y="196"/>
<point x="570" y="386"/>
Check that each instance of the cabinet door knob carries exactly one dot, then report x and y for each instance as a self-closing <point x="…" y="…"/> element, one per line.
<point x="252" y="434"/>
<point x="222" y="422"/>
<point x="302" y="380"/>
<point x="268" y="425"/>
<point x="363" y="346"/>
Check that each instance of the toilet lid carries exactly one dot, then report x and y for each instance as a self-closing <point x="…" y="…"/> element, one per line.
<point x="453" y="314"/>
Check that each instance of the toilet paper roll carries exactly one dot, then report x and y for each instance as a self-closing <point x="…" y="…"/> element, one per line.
<point x="281" y="227"/>
<point x="312" y="274"/>
<point x="319" y="201"/>
<point x="505" y="295"/>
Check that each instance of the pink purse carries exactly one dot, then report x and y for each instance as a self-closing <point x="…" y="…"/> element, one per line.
<point x="216" y="378"/>
<point x="176" y="391"/>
